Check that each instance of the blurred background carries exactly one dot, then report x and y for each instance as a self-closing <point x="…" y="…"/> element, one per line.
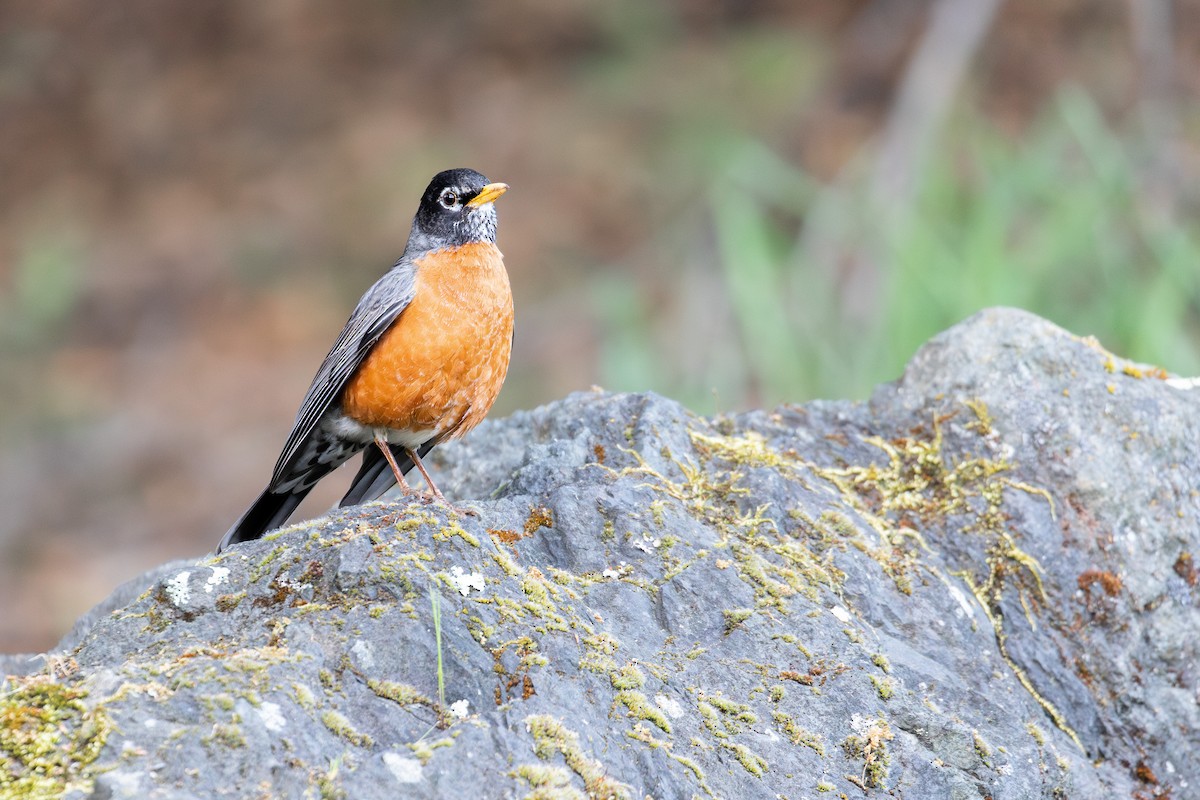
<point x="735" y="203"/>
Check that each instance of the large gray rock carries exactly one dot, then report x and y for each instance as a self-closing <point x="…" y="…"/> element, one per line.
<point x="979" y="584"/>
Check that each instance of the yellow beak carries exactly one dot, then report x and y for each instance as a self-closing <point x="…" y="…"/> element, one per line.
<point x="487" y="194"/>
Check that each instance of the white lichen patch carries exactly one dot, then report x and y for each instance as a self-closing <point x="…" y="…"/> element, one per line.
<point x="964" y="604"/>
<point x="177" y="589"/>
<point x="669" y="705"/>
<point x="459" y="709"/>
<point x="365" y="653"/>
<point x="617" y="573"/>
<point x="843" y="616"/>
<point x="464" y="582"/>
<point x="272" y="716"/>
<point x="219" y="576"/>
<point x="403" y="768"/>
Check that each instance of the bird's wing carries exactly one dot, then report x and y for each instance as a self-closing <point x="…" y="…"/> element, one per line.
<point x="375" y="313"/>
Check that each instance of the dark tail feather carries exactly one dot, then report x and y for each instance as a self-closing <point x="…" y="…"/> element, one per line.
<point x="268" y="512"/>
<point x="375" y="475"/>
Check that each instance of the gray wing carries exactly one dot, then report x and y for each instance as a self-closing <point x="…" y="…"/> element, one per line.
<point x="376" y="311"/>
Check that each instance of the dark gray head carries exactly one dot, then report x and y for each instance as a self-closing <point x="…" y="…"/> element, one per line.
<point x="455" y="209"/>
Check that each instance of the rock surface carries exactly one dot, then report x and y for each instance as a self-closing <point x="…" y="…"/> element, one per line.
<point x="981" y="583"/>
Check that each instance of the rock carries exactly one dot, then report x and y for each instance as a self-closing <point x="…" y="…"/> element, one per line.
<point x="979" y="583"/>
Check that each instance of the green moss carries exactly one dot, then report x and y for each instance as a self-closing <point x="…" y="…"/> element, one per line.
<point x="414" y="520"/>
<point x="222" y="701"/>
<point x="327" y="785"/>
<point x="448" y="532"/>
<point x="1037" y="733"/>
<point x="641" y="708"/>
<point x="49" y="738"/>
<point x="548" y="782"/>
<point x="550" y="736"/>
<point x="739" y="711"/>
<point x="777" y="693"/>
<point x="881" y="661"/>
<point x="304" y="695"/>
<point x="628" y="677"/>
<point x="871" y="747"/>
<point x="753" y="763"/>
<point x="597" y="657"/>
<point x="339" y="725"/>
<point x="226" y="735"/>
<point x="982" y="749"/>
<point x="825" y="786"/>
<point x="735" y="617"/>
<point x="885" y="687"/>
<point x="797" y="734"/>
<point x="265" y="564"/>
<point x="506" y="563"/>
<point x="228" y="602"/>
<point x="400" y="693"/>
<point x="424" y="749"/>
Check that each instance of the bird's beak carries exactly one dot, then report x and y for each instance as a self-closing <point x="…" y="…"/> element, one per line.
<point x="487" y="194"/>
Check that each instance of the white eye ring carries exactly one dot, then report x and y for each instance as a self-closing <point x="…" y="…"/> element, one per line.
<point x="448" y="198"/>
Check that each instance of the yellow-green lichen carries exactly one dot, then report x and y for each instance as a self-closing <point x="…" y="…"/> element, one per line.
<point x="641" y="708"/>
<point x="551" y="737"/>
<point x="339" y="725"/>
<point x="628" y="677"/>
<point x="885" y="687"/>
<point x="982" y="749"/>
<point x="797" y="734"/>
<point x="265" y="563"/>
<point x="735" y="617"/>
<point x="597" y="656"/>
<point x="424" y="749"/>
<point x="49" y="738"/>
<point x="871" y="747"/>
<point x="548" y="782"/>
<point x="400" y="693"/>
<point x="304" y="695"/>
<point x="228" y="602"/>
<point x="227" y="735"/>
<point x="448" y="532"/>
<point x="753" y="763"/>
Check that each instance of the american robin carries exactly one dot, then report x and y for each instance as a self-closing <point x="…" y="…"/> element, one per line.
<point x="419" y="362"/>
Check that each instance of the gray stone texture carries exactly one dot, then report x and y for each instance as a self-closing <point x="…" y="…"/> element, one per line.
<point x="980" y="583"/>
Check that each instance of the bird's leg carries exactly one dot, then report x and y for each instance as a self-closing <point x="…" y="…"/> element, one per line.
<point x="391" y="459"/>
<point x="416" y="459"/>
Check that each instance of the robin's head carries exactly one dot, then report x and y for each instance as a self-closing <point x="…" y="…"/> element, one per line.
<point x="455" y="209"/>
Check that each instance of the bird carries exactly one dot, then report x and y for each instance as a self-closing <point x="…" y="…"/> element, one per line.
<point x="420" y="361"/>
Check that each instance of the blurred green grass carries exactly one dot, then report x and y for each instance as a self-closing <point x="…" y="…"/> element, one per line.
<point x="1064" y="220"/>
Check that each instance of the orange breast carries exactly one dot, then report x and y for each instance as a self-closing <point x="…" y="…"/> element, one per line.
<point x="440" y="366"/>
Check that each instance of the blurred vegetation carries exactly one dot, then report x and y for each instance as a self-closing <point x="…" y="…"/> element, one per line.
<point x="1061" y="221"/>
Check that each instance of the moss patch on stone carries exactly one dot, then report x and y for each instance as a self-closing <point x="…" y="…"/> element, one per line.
<point x="49" y="738"/>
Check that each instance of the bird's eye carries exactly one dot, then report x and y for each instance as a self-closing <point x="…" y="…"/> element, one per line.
<point x="448" y="199"/>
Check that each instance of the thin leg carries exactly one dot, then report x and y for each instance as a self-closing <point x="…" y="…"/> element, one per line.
<point x="432" y="486"/>
<point x="391" y="459"/>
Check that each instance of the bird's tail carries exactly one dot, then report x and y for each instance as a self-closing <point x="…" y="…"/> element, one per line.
<point x="375" y="475"/>
<point x="268" y="512"/>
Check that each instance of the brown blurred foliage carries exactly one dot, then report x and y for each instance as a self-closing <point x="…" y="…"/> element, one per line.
<point x="195" y="193"/>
